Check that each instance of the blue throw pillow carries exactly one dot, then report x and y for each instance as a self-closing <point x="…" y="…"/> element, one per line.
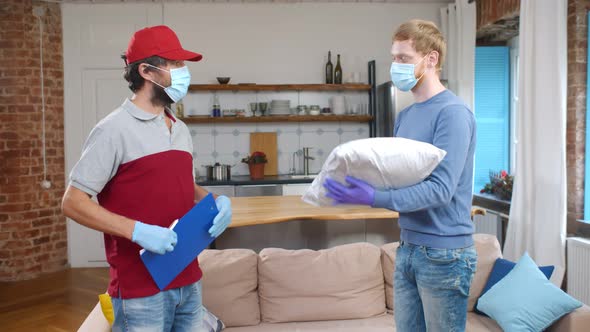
<point x="525" y="300"/>
<point x="500" y="270"/>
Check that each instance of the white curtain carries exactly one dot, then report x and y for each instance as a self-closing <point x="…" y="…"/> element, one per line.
<point x="458" y="26"/>
<point x="537" y="222"/>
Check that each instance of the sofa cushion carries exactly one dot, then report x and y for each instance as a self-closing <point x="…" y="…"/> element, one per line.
<point x="344" y="282"/>
<point x="388" y="252"/>
<point x="577" y="320"/>
<point x="501" y="268"/>
<point x="488" y="250"/>
<point x="477" y="323"/>
<point x="383" y="323"/>
<point x="525" y="300"/>
<point x="230" y="281"/>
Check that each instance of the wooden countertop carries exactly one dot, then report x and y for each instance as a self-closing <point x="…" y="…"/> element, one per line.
<point x="260" y="210"/>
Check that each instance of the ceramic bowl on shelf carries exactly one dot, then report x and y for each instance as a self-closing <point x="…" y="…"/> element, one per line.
<point x="223" y="80"/>
<point x="314" y="110"/>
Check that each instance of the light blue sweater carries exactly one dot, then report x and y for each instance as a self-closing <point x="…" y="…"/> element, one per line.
<point x="437" y="211"/>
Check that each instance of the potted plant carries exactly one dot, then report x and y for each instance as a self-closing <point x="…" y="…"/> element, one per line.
<point x="500" y="185"/>
<point x="256" y="163"/>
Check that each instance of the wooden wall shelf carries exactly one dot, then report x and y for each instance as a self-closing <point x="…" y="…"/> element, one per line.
<point x="278" y="118"/>
<point x="279" y="87"/>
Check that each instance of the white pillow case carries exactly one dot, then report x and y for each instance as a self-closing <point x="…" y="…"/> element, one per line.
<point x="384" y="162"/>
<point x="210" y="322"/>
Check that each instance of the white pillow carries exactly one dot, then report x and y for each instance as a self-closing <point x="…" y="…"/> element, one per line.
<point x="384" y="162"/>
<point x="210" y="322"/>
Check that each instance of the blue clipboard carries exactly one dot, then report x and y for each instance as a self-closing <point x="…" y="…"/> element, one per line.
<point x="193" y="237"/>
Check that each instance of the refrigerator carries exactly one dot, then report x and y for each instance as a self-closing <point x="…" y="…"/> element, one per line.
<point x="389" y="102"/>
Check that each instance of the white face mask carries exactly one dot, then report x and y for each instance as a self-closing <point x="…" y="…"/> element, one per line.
<point x="180" y="79"/>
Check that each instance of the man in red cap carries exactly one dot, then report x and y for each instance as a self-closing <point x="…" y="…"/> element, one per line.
<point x="138" y="162"/>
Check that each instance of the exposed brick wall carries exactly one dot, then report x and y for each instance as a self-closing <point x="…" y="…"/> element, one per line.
<point x="576" y="109"/>
<point x="33" y="237"/>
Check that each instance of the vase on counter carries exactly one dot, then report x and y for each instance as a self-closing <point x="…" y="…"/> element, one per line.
<point x="256" y="171"/>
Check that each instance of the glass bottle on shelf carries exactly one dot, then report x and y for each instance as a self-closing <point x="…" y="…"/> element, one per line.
<point x="329" y="69"/>
<point x="338" y="72"/>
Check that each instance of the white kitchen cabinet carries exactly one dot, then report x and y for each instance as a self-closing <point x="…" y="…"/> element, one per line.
<point x="228" y="191"/>
<point x="295" y="189"/>
<point x="259" y="190"/>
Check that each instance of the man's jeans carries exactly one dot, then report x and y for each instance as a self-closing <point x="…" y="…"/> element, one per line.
<point x="178" y="309"/>
<point x="431" y="287"/>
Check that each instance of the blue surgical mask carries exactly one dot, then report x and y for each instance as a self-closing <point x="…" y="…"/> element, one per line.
<point x="402" y="75"/>
<point x="180" y="79"/>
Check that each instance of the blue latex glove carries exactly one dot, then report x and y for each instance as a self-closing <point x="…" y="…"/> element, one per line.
<point x="358" y="191"/>
<point x="153" y="238"/>
<point x="223" y="218"/>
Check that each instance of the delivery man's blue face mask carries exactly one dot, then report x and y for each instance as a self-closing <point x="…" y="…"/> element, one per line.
<point x="180" y="79"/>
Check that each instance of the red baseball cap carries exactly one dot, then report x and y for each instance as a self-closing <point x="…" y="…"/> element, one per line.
<point x="159" y="41"/>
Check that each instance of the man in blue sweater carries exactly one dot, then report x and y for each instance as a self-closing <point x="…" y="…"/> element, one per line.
<point x="436" y="259"/>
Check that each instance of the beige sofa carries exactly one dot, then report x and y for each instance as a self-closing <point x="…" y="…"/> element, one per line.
<point x="346" y="288"/>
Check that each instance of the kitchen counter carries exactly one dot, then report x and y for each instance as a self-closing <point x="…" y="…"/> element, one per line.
<point x="287" y="222"/>
<point x="249" y="211"/>
<point x="260" y="210"/>
<point x="245" y="180"/>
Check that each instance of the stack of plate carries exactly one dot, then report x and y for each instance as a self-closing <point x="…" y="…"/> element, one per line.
<point x="280" y="107"/>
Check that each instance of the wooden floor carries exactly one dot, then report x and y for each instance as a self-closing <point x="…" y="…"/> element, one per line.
<point x="54" y="302"/>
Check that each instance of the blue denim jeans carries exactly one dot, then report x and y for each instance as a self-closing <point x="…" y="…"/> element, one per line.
<point x="431" y="287"/>
<point x="178" y="309"/>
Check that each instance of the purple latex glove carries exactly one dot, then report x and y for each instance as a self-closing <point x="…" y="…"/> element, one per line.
<point x="358" y="191"/>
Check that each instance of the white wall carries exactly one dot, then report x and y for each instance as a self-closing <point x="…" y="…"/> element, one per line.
<point x="289" y="43"/>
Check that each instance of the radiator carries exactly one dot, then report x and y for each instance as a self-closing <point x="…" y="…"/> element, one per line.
<point x="491" y="223"/>
<point x="578" y="268"/>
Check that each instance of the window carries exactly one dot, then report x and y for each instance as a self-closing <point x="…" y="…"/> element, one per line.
<point x="492" y="112"/>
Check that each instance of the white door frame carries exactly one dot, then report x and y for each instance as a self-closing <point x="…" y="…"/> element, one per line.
<point x="94" y="37"/>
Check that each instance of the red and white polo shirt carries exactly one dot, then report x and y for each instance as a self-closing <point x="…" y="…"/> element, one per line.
<point x="139" y="169"/>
